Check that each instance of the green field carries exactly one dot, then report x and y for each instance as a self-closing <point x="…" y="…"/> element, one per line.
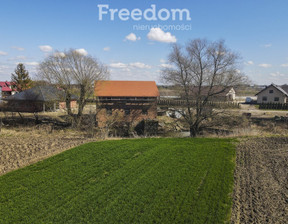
<point x="125" y="181"/>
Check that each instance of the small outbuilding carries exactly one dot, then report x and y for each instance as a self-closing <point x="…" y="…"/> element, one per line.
<point x="216" y="93"/>
<point x="37" y="99"/>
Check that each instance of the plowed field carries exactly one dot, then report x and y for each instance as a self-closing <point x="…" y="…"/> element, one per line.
<point x="22" y="149"/>
<point x="261" y="181"/>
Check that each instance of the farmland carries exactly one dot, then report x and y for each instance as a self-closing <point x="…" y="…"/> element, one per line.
<point x="125" y="181"/>
<point x="261" y="181"/>
<point x="19" y="148"/>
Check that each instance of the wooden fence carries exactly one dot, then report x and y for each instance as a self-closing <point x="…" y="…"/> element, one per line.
<point x="273" y="106"/>
<point x="215" y="104"/>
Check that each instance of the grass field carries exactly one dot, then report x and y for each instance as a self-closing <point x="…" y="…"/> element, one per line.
<point x="125" y="181"/>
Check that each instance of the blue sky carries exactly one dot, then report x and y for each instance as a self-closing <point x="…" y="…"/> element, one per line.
<point x="32" y="29"/>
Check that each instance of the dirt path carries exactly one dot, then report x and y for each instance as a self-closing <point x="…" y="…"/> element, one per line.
<point x="21" y="149"/>
<point x="261" y="181"/>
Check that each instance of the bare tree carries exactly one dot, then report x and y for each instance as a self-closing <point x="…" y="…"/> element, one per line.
<point x="202" y="71"/>
<point x="72" y="69"/>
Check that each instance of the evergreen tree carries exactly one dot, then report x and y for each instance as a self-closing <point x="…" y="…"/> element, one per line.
<point x="21" y="80"/>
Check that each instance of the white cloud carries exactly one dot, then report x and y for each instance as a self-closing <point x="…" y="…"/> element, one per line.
<point x="139" y="65"/>
<point x="159" y="35"/>
<point x="132" y="37"/>
<point x="265" y="65"/>
<point x="126" y="69"/>
<point x="267" y="45"/>
<point x="20" y="57"/>
<point x="284" y="65"/>
<point x="250" y="62"/>
<point x="118" y="65"/>
<point x="3" y="68"/>
<point x="59" y="54"/>
<point x="162" y="61"/>
<point x="134" y="74"/>
<point x="18" y="48"/>
<point x="45" y="48"/>
<point x="129" y="66"/>
<point x="82" y="51"/>
<point x="2" y="53"/>
<point x="106" y="49"/>
<point x="277" y="74"/>
<point x="33" y="63"/>
<point x="166" y="66"/>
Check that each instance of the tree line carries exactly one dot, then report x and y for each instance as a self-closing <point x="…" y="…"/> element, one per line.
<point x="198" y="64"/>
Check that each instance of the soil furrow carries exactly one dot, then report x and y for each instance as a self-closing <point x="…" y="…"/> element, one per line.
<point x="261" y="175"/>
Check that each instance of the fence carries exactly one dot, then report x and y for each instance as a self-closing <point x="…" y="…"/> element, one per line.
<point x="215" y="104"/>
<point x="273" y="106"/>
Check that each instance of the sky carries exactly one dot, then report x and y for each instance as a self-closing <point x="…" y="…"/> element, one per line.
<point x="134" y="42"/>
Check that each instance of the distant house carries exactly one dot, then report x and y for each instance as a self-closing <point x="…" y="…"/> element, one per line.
<point x="6" y="89"/>
<point x="37" y="99"/>
<point x="217" y="93"/>
<point x="169" y="94"/>
<point x="273" y="94"/>
<point x="129" y="100"/>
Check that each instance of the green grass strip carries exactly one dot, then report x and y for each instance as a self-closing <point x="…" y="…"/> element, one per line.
<point x="125" y="181"/>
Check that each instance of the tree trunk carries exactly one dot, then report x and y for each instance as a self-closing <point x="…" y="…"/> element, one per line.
<point x="194" y="130"/>
<point x="68" y="104"/>
<point x="81" y="102"/>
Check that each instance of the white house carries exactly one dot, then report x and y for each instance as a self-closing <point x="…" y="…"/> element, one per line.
<point x="273" y="94"/>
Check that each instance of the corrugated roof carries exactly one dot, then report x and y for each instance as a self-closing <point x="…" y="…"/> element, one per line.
<point x="40" y="94"/>
<point x="126" y="89"/>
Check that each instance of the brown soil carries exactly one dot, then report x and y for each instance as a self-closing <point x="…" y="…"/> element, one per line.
<point x="261" y="181"/>
<point x="19" y="148"/>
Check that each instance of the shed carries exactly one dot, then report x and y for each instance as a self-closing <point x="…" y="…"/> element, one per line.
<point x="217" y="93"/>
<point x="39" y="98"/>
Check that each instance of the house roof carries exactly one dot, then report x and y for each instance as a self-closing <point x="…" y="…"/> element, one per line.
<point x="5" y="86"/>
<point x="39" y="94"/>
<point x="283" y="89"/>
<point x="126" y="89"/>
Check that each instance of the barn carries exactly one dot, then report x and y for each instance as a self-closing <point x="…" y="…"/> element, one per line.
<point x="131" y="101"/>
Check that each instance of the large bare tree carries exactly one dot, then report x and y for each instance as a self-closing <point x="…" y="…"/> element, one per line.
<point x="72" y="70"/>
<point x="202" y="70"/>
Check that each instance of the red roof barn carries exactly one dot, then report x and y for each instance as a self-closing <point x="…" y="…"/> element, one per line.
<point x="131" y="101"/>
